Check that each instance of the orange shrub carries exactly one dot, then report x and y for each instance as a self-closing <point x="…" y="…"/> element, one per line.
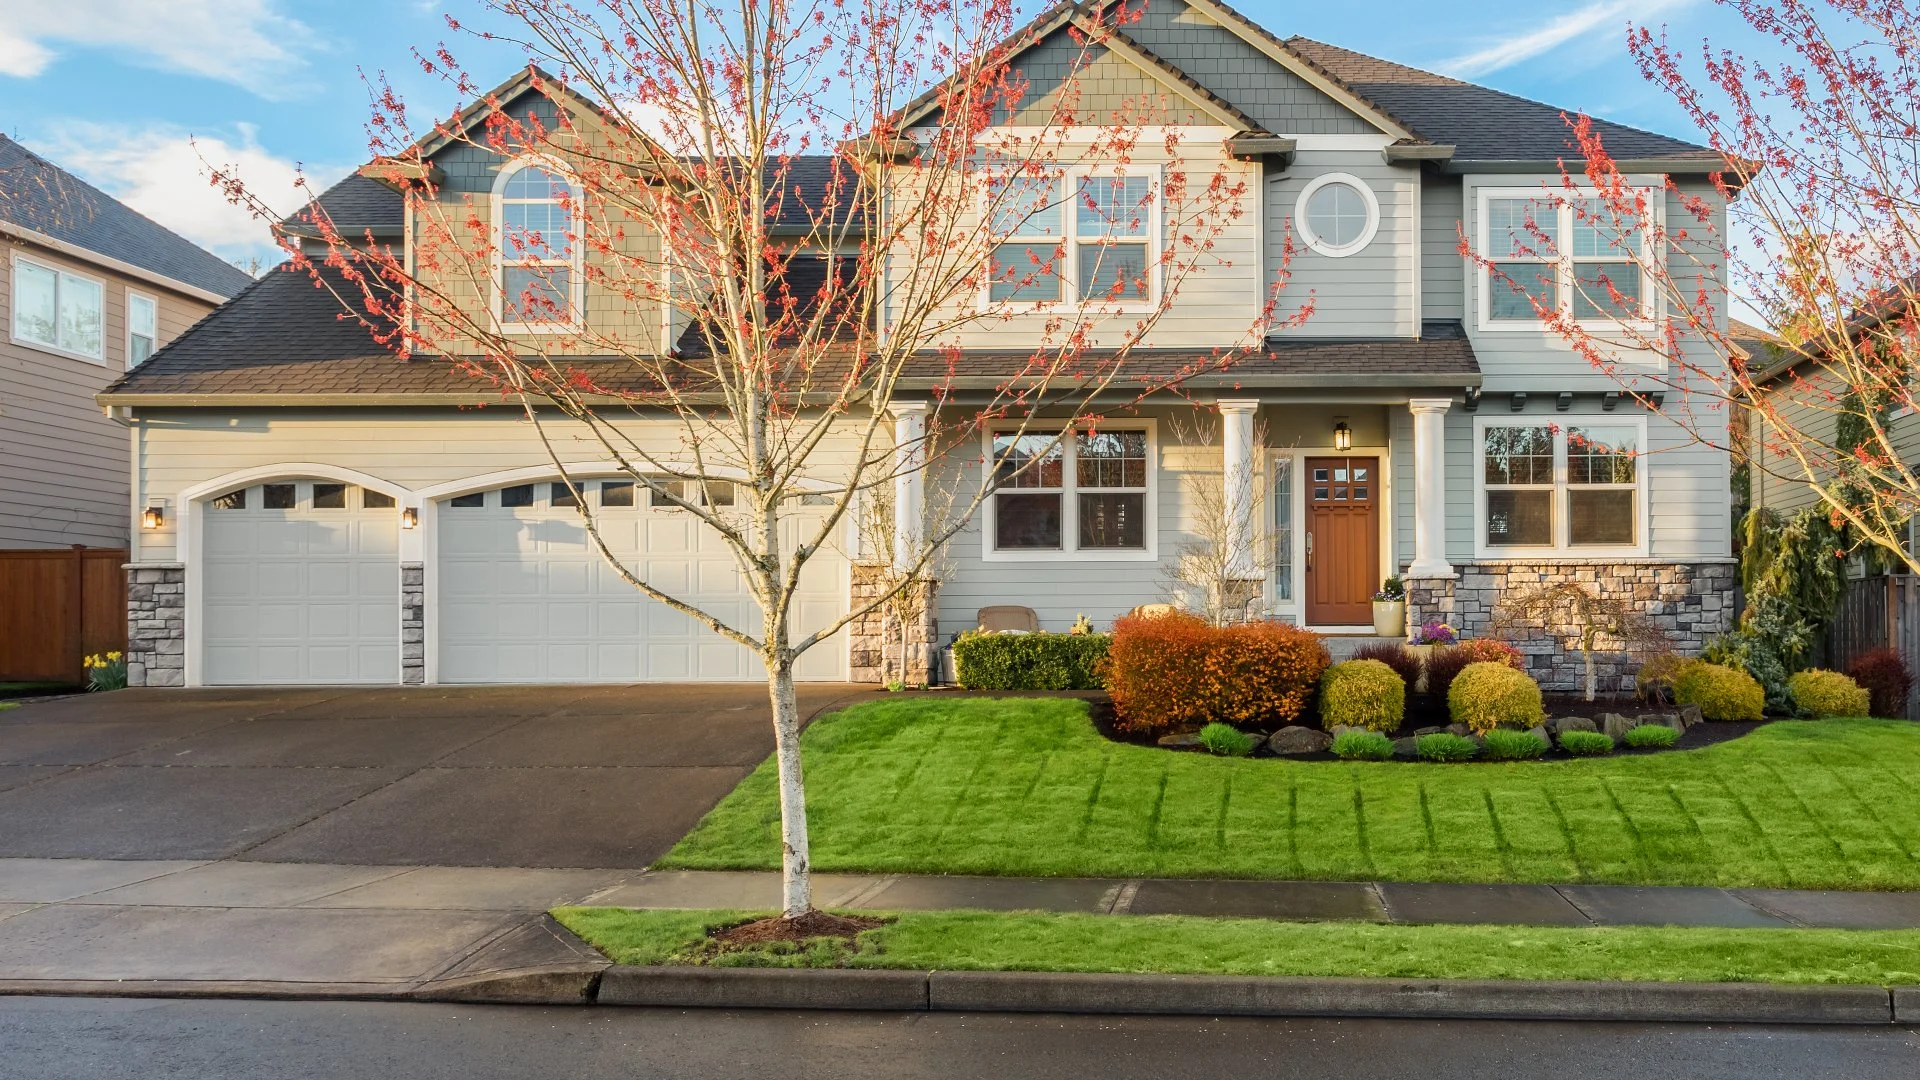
<point x="1492" y="651"/>
<point x="1174" y="671"/>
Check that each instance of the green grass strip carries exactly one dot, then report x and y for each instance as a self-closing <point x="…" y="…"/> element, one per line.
<point x="1026" y="786"/>
<point x="1171" y="944"/>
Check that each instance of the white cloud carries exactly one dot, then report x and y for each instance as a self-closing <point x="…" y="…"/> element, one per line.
<point x="164" y="173"/>
<point x="244" y="42"/>
<point x="1555" y="33"/>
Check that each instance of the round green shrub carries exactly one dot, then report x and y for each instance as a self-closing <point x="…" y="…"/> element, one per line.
<point x="1444" y="746"/>
<point x="1362" y="746"/>
<point x="1489" y="695"/>
<point x="1588" y="743"/>
<point x="1828" y="693"/>
<point x="1506" y="744"/>
<point x="1651" y="735"/>
<point x="1362" y="693"/>
<point x="1723" y="693"/>
<point x="1226" y="740"/>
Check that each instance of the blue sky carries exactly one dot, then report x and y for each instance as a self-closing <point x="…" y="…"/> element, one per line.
<point x="132" y="94"/>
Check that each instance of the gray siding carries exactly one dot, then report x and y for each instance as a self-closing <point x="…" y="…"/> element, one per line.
<point x="1220" y="60"/>
<point x="1076" y="83"/>
<point x="64" y="466"/>
<point x="1368" y="294"/>
<point x="1442" y="267"/>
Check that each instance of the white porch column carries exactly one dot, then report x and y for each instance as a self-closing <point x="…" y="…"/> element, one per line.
<point x="909" y="487"/>
<point x="1430" y="488"/>
<point x="1236" y="422"/>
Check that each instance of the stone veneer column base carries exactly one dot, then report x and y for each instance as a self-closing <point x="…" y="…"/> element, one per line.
<point x="156" y="624"/>
<point x="1691" y="601"/>
<point x="413" y="623"/>
<point x="1429" y="600"/>
<point x="874" y="638"/>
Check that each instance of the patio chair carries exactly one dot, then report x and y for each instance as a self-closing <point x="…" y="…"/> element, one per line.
<point x="1002" y="617"/>
<point x="1153" y="611"/>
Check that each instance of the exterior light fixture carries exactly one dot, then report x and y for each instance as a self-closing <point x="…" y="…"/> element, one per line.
<point x="155" y="515"/>
<point x="410" y="518"/>
<point x="1342" y="436"/>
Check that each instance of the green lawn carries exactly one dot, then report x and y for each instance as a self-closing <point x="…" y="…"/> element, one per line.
<point x="1028" y="941"/>
<point x="1027" y="786"/>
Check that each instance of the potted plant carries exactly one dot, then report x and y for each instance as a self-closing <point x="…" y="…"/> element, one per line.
<point x="1426" y="637"/>
<point x="1390" y="608"/>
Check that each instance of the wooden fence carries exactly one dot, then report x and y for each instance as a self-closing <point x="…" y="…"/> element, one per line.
<point x="1875" y="613"/>
<point x="56" y="606"/>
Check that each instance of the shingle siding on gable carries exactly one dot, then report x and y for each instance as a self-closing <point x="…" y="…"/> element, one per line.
<point x="1220" y="60"/>
<point x="1108" y="88"/>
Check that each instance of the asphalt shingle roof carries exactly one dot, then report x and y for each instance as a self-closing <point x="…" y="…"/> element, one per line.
<point x="356" y="205"/>
<point x="1482" y="124"/>
<point x="36" y="194"/>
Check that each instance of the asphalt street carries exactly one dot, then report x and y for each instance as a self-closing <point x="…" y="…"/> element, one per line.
<point x="103" y="1038"/>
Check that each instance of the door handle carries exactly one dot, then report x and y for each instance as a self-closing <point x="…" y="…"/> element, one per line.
<point x="1309" y="549"/>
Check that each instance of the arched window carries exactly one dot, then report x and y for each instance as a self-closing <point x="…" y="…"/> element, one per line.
<point x="539" y="271"/>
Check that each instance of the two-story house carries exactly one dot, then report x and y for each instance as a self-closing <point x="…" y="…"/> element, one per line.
<point x="338" y="515"/>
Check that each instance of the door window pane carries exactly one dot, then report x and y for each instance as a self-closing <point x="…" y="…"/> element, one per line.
<point x="1026" y="521"/>
<point x="1283" y="528"/>
<point x="329" y="496"/>
<point x="1113" y="521"/>
<point x="719" y="493"/>
<point x="375" y="500"/>
<point x="616" y="493"/>
<point x="476" y="498"/>
<point x="562" y="495"/>
<point x="277" y="496"/>
<point x="1520" y="517"/>
<point x="1601" y="516"/>
<point x="517" y="495"/>
<point x="232" y="500"/>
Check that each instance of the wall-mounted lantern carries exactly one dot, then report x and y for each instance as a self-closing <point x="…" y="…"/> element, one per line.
<point x="410" y="518"/>
<point x="154" y="516"/>
<point x="1342" y="436"/>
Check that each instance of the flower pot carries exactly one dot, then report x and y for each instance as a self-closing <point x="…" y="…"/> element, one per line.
<point x="1390" y="618"/>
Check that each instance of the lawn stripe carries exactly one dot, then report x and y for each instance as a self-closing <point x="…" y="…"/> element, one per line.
<point x="1093" y="796"/>
<point x="1426" y="818"/>
<point x="1360" y="830"/>
<point x="1826" y="833"/>
<point x="1759" y="830"/>
<point x="1566" y="835"/>
<point x="1294" y="868"/>
<point x="1642" y="859"/>
<point x="1220" y="820"/>
<point x="1499" y="836"/>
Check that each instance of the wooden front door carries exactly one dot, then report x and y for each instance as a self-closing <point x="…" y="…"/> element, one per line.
<point x="1343" y="540"/>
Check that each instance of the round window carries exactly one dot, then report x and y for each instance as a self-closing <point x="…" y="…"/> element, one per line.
<point x="1338" y="214"/>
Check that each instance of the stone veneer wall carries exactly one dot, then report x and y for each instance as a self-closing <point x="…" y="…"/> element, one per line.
<point x="874" y="638"/>
<point x="413" y="623"/>
<point x="1691" y="602"/>
<point x="156" y="624"/>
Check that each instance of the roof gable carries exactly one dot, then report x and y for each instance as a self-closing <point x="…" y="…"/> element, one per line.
<point x="1115" y="80"/>
<point x="37" y="195"/>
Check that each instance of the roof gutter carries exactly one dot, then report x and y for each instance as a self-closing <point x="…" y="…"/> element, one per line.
<point x="75" y="251"/>
<point x="1403" y="152"/>
<point x="1683" y="166"/>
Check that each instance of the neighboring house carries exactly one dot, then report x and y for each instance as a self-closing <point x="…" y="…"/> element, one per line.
<point x="90" y="289"/>
<point x="336" y="515"/>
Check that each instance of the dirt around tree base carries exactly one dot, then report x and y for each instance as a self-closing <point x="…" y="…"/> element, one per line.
<point x="782" y="930"/>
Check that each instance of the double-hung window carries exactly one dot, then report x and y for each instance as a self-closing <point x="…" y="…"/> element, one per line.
<point x="58" y="310"/>
<point x="1568" y="255"/>
<point x="539" y="272"/>
<point x="1081" y="238"/>
<point x="1090" y="492"/>
<point x="142" y="327"/>
<point x="1546" y="488"/>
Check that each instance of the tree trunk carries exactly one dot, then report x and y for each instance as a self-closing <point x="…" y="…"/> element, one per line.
<point x="1586" y="654"/>
<point x="796" y="870"/>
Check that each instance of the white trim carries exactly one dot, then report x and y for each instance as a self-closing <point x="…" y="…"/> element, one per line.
<point x="1069" y="551"/>
<point x="1416" y="249"/>
<point x="1311" y="143"/>
<point x="126" y="319"/>
<point x="1303" y="224"/>
<point x="1561" y="550"/>
<point x="576" y="260"/>
<point x="1564" y="262"/>
<point x="108" y="262"/>
<point x="13" y="307"/>
<point x="1067" y="266"/>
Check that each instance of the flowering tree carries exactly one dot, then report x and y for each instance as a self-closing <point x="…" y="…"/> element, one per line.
<point x="1820" y="176"/>
<point x="736" y="242"/>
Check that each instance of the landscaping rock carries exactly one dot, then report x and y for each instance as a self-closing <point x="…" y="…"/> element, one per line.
<point x="1689" y="716"/>
<point x="1671" y="720"/>
<point x="1562" y="725"/>
<point x="1182" y="740"/>
<point x="1461" y="730"/>
<point x="1434" y="730"/>
<point x="1615" y="725"/>
<point x="1405" y="750"/>
<point x="1342" y="729"/>
<point x="1546" y="737"/>
<point x="1298" y="740"/>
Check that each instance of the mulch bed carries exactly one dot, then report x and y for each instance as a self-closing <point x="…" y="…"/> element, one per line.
<point x="779" y="930"/>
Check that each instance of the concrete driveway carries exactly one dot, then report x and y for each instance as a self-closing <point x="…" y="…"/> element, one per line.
<point x="554" y="776"/>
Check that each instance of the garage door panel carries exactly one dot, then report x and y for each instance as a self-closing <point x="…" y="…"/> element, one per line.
<point x="565" y="621"/>
<point x="377" y="538"/>
<point x="569" y="578"/>
<point x="616" y="618"/>
<point x="329" y="579"/>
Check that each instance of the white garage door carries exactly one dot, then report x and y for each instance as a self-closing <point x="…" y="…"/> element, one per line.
<point x="300" y="583"/>
<point x="524" y="597"/>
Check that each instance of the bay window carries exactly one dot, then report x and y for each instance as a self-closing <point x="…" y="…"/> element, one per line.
<point x="1569" y="255"/>
<point x="1085" y="238"/>
<point x="1089" y="493"/>
<point x="56" y="309"/>
<point x="1548" y="488"/>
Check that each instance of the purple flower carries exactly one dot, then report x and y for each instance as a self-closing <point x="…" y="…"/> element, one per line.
<point x="1434" y="633"/>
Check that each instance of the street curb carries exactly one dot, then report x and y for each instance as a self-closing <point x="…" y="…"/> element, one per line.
<point x="1215" y="995"/>
<point x="571" y="985"/>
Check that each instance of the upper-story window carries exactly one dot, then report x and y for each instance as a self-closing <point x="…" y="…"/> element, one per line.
<point x="1074" y="238"/>
<point x="58" y="309"/>
<point x="540" y="276"/>
<point x="1337" y="214"/>
<point x="1567" y="255"/>
<point x="143" y="322"/>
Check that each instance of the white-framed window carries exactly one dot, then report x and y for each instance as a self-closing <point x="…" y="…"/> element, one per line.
<point x="539" y="275"/>
<point x="1074" y="237"/>
<point x="1565" y="253"/>
<point x="1575" y="489"/>
<point x="143" y="326"/>
<point x="1337" y="214"/>
<point x="1090" y="495"/>
<point x="58" y="310"/>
